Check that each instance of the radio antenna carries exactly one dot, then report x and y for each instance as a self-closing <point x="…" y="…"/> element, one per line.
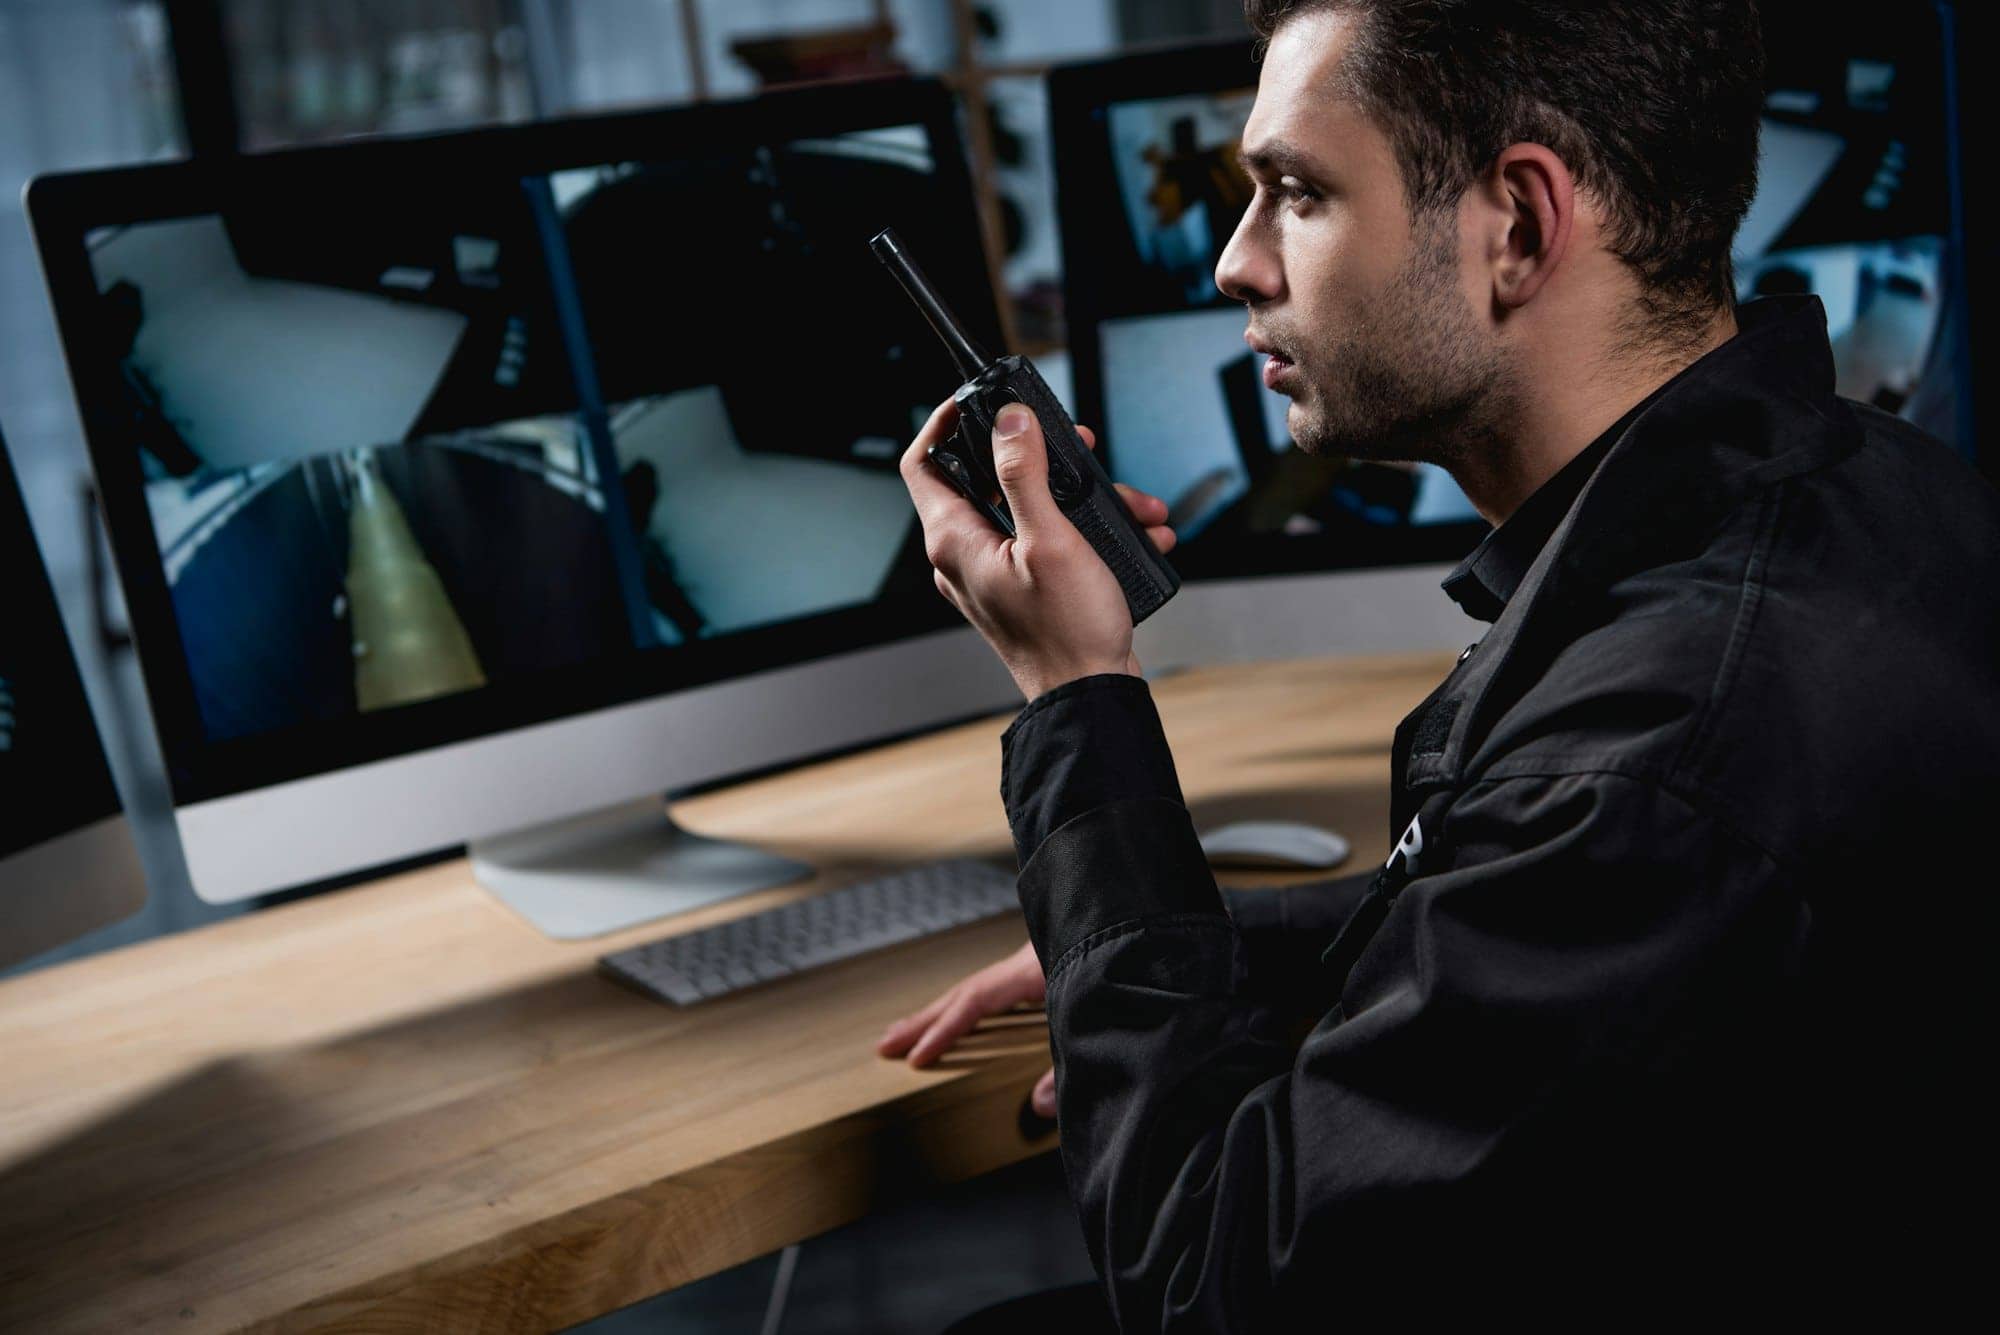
<point x="888" y="248"/>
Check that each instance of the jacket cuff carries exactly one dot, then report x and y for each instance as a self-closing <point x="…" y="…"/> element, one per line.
<point x="1114" y="864"/>
<point x="1082" y="745"/>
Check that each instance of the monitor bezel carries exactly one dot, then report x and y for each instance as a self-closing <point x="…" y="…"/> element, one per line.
<point x="89" y="776"/>
<point x="65" y="210"/>
<point x="1082" y="159"/>
<point x="81" y="870"/>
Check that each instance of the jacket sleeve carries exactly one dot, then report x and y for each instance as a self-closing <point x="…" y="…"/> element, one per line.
<point x="1047" y="780"/>
<point x="1538" y="980"/>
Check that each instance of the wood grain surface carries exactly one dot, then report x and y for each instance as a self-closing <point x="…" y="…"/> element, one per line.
<point x="399" y="1108"/>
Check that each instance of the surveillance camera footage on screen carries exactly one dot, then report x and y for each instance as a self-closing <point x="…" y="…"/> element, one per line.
<point x="516" y="427"/>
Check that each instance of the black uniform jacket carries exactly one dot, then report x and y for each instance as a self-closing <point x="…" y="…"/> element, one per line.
<point x="1683" y="945"/>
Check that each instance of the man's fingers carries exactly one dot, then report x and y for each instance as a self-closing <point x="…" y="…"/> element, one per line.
<point x="950" y="523"/>
<point x="1043" y="1100"/>
<point x="898" y="1037"/>
<point x="1021" y="462"/>
<point x="1089" y="437"/>
<point x="1152" y="512"/>
<point x="957" y="1010"/>
<point x="956" y="1022"/>
<point x="1147" y="509"/>
<point x="905" y="1033"/>
<point x="942" y="420"/>
<point x="938" y="503"/>
<point x="958" y="1013"/>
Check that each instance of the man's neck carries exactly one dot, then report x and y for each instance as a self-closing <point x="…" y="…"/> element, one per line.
<point x="1557" y="419"/>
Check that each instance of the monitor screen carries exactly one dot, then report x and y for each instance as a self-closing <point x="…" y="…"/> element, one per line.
<point x="1852" y="205"/>
<point x="53" y="775"/>
<point x="438" y="438"/>
<point x="1855" y="204"/>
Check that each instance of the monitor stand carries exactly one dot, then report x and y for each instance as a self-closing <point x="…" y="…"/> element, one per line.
<point x="618" y="867"/>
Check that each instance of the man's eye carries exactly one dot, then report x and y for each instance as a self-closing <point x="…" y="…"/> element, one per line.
<point x="1296" y="192"/>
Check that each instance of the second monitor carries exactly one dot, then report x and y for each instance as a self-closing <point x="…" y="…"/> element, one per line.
<point x="67" y="861"/>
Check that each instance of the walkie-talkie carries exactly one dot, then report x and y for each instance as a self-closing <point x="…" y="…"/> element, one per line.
<point x="1082" y="490"/>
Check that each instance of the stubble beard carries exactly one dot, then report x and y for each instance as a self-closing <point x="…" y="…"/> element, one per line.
<point x="1414" y="382"/>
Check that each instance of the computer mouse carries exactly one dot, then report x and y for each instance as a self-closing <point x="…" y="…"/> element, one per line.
<point x="1274" y="843"/>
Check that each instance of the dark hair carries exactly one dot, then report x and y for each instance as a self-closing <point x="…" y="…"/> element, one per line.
<point x="1653" y="104"/>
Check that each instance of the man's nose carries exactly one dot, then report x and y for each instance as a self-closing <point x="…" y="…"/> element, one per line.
<point x="1248" y="270"/>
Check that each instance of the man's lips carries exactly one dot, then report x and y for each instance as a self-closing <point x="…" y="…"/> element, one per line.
<point x="1278" y="364"/>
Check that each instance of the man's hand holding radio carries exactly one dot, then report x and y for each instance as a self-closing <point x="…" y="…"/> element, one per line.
<point x="1043" y="598"/>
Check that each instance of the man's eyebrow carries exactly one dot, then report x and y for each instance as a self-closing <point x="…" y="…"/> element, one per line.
<point x="1278" y="158"/>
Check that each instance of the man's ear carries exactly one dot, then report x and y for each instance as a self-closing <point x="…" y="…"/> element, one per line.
<point x="1534" y="201"/>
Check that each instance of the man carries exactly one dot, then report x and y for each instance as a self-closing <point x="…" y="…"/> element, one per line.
<point x="1661" y="986"/>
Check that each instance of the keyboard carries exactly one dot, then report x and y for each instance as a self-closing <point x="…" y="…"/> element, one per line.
<point x="811" y="933"/>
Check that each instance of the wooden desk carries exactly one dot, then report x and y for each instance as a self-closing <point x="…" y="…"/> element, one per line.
<point x="397" y="1107"/>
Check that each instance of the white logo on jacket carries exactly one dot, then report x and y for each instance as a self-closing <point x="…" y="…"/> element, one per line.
<point x="1407" y="848"/>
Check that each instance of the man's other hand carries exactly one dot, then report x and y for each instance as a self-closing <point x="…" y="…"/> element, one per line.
<point x="1043" y="598"/>
<point x="928" y="1034"/>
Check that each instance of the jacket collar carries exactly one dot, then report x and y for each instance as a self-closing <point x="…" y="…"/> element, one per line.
<point x="1758" y="409"/>
<point x="1485" y="582"/>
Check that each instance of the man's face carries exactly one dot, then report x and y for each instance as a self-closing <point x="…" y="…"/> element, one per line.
<point x="1373" y="330"/>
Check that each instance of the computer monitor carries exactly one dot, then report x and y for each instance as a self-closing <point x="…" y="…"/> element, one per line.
<point x="1855" y="204"/>
<point x="467" y="484"/>
<point x="1859" y="202"/>
<point x="67" y="861"/>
